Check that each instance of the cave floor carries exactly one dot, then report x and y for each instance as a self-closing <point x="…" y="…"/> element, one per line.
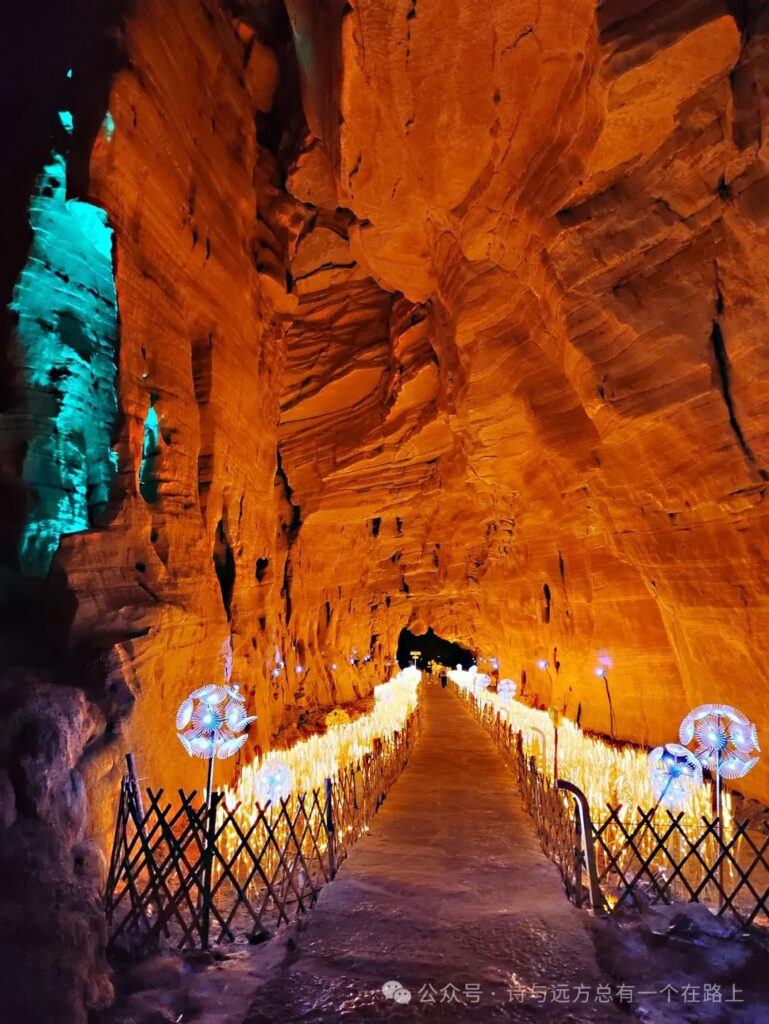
<point x="449" y="895"/>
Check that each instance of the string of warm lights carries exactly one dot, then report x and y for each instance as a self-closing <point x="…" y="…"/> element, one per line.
<point x="307" y="764"/>
<point x="277" y="666"/>
<point x="606" y="773"/>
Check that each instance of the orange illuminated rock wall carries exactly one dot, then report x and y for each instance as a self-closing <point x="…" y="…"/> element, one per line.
<point x="471" y="338"/>
<point x="428" y="315"/>
<point x="446" y="319"/>
<point x="563" y="423"/>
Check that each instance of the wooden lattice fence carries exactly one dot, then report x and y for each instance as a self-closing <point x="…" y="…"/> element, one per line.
<point x="557" y="825"/>
<point x="187" y="876"/>
<point x="630" y="859"/>
<point x="659" y="858"/>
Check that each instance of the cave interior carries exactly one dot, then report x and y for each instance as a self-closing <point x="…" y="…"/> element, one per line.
<point x="324" y="327"/>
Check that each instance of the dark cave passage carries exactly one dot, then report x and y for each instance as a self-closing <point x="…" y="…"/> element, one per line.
<point x="432" y="648"/>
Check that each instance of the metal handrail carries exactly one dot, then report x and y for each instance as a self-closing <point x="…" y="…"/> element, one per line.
<point x="597" y="901"/>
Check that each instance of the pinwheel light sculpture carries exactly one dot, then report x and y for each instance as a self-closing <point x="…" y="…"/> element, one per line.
<point x="675" y="774"/>
<point x="211" y="722"/>
<point x="481" y="681"/>
<point x="725" y="742"/>
<point x="273" y="782"/>
<point x="506" y="689"/>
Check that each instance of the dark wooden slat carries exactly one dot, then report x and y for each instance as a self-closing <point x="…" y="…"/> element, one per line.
<point x="663" y="859"/>
<point x="269" y="868"/>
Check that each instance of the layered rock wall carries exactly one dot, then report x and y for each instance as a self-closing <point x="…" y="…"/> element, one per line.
<point x="419" y="327"/>
<point x="422" y="318"/>
<point x="572" y="203"/>
<point x="419" y="317"/>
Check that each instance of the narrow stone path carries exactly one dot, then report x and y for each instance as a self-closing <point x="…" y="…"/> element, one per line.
<point x="451" y="896"/>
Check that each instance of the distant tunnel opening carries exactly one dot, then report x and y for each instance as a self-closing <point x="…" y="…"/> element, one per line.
<point x="432" y="647"/>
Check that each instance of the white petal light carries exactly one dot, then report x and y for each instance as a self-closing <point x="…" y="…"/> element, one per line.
<point x="211" y="721"/>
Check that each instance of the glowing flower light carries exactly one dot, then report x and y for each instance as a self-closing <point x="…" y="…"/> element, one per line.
<point x="210" y="722"/>
<point x="675" y="772"/>
<point x="273" y="781"/>
<point x="542" y="664"/>
<point x="507" y="689"/>
<point x="725" y="739"/>
<point x="481" y="681"/>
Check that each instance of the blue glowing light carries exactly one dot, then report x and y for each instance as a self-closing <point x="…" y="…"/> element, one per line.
<point x="148" y="482"/>
<point x="725" y="739"/>
<point x="66" y="336"/>
<point x="506" y="689"/>
<point x="211" y="721"/>
<point x="273" y="781"/>
<point x="675" y="774"/>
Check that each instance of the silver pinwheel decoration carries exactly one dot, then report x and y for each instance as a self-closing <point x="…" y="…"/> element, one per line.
<point x="211" y="722"/>
<point x="481" y="681"/>
<point x="507" y="689"/>
<point x="724" y="740"/>
<point x="273" y="781"/>
<point x="675" y="773"/>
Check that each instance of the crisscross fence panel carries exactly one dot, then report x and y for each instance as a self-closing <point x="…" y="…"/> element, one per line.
<point x="557" y="825"/>
<point x="658" y="857"/>
<point x="626" y="859"/>
<point x="186" y="875"/>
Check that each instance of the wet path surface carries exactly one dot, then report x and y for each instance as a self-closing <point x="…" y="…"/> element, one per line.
<point x="451" y="896"/>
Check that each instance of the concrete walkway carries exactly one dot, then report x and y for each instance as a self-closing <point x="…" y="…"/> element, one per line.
<point x="449" y="895"/>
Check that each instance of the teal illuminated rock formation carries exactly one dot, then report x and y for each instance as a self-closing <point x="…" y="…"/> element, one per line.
<point x="67" y="335"/>
<point x="150" y="449"/>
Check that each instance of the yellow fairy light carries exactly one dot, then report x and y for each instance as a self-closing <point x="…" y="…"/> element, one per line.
<point x="605" y="773"/>
<point x="337" y="717"/>
<point x="313" y="760"/>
